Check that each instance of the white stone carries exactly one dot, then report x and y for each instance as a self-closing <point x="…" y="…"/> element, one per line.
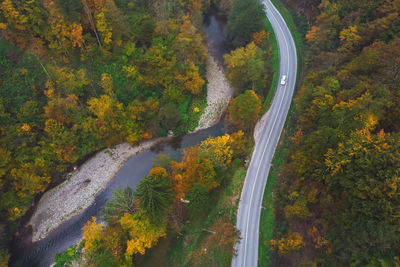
<point x="219" y="93"/>
<point x="80" y="189"/>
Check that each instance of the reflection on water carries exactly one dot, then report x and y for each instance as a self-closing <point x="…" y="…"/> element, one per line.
<point x="217" y="35"/>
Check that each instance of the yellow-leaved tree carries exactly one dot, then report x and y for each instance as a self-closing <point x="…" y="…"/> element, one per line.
<point x="245" y="67"/>
<point x="199" y="164"/>
<point x="143" y="233"/>
<point x="291" y="242"/>
<point x="92" y="234"/>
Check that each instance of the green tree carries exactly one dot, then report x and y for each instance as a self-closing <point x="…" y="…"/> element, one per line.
<point x="163" y="160"/>
<point x="72" y="9"/>
<point x="198" y="199"/>
<point x="123" y="201"/>
<point x="243" y="111"/>
<point x="169" y="116"/>
<point x="66" y="258"/>
<point x="245" y="67"/>
<point x="363" y="242"/>
<point x="155" y="195"/>
<point x="245" y="18"/>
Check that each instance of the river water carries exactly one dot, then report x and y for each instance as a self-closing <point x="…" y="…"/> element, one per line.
<point x="41" y="253"/>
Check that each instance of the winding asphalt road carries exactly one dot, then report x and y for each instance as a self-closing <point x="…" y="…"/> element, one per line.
<point x="248" y="218"/>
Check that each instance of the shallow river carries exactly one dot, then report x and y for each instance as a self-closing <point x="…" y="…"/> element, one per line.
<point x="42" y="253"/>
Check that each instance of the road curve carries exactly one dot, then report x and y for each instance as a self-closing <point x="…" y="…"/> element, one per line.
<point x="248" y="217"/>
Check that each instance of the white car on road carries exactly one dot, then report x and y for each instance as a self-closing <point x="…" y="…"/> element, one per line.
<point x="283" y="80"/>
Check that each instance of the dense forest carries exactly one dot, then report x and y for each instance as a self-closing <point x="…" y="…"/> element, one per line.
<point x="77" y="76"/>
<point x="81" y="75"/>
<point x="338" y="199"/>
<point x="189" y="205"/>
<point x="135" y="221"/>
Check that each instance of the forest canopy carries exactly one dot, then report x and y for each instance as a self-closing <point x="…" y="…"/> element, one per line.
<point x="338" y="196"/>
<point x="77" y="76"/>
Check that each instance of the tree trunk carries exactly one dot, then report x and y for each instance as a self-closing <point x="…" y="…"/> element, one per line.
<point x="91" y="20"/>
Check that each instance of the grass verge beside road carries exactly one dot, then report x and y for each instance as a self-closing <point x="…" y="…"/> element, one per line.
<point x="267" y="222"/>
<point x="298" y="32"/>
<point x="206" y="239"/>
<point x="274" y="66"/>
<point x="267" y="219"/>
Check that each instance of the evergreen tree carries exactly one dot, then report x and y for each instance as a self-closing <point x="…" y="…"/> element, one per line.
<point x="122" y="202"/>
<point x="155" y="195"/>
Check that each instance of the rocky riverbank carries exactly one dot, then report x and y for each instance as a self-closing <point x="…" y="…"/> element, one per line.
<point x="81" y="186"/>
<point x="219" y="93"/>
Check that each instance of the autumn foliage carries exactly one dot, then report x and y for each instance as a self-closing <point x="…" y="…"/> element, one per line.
<point x="293" y="242"/>
<point x="137" y="221"/>
<point x="80" y="75"/>
<point x="142" y="232"/>
<point x="338" y="189"/>
<point x="200" y="164"/>
<point x="244" y="110"/>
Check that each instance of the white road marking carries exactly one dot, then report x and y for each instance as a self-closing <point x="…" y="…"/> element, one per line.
<point x="248" y="206"/>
